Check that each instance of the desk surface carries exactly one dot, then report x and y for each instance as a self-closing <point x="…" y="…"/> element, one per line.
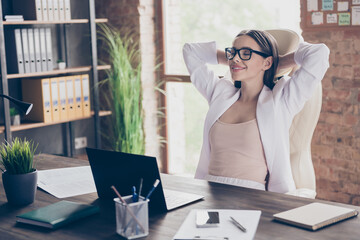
<point x="164" y="226"/>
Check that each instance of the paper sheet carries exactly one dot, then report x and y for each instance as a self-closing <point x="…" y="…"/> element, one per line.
<point x="355" y="15"/>
<point x="317" y="18"/>
<point x="327" y="5"/>
<point x="248" y="218"/>
<point x="343" y="6"/>
<point x="312" y="5"/>
<point x="331" y="18"/>
<point x="344" y="19"/>
<point x="67" y="182"/>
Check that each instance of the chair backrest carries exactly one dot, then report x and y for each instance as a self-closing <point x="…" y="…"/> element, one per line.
<point x="301" y="132"/>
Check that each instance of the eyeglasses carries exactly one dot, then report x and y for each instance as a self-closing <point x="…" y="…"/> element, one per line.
<point x="244" y="53"/>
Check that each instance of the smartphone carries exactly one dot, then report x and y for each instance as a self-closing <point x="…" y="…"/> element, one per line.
<point x="206" y="218"/>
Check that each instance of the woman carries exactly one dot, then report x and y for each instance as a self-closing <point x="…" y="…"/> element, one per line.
<point x="246" y="130"/>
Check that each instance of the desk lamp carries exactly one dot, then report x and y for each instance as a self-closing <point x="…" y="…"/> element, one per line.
<point x="23" y="106"/>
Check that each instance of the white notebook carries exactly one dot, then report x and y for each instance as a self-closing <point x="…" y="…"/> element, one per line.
<point x="315" y="215"/>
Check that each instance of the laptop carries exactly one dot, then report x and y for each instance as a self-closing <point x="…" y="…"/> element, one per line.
<point x="124" y="170"/>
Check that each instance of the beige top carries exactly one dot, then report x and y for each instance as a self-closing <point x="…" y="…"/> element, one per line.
<point x="237" y="151"/>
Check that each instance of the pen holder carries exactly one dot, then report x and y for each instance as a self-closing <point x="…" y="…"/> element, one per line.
<point x="126" y="225"/>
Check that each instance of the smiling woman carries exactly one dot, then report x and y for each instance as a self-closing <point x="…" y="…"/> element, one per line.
<point x="200" y="21"/>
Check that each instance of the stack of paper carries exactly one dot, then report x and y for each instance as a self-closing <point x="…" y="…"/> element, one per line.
<point x="226" y="230"/>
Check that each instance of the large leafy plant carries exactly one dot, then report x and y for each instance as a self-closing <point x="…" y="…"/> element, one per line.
<point x="124" y="89"/>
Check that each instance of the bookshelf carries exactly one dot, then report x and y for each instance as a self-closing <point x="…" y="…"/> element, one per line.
<point x="92" y="69"/>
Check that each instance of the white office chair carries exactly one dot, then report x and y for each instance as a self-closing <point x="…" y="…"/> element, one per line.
<point x="301" y="132"/>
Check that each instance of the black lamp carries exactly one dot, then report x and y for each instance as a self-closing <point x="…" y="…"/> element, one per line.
<point x="24" y="106"/>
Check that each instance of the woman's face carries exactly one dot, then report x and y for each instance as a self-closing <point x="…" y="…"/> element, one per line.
<point x="248" y="70"/>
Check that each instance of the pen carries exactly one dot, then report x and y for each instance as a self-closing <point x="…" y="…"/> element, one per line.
<point x="134" y="196"/>
<point x="156" y="183"/>
<point x="140" y="187"/>
<point x="237" y="224"/>
<point x="209" y="238"/>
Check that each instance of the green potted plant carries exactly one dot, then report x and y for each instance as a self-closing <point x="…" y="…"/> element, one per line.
<point x="14" y="117"/>
<point x="19" y="172"/>
<point x="61" y="64"/>
<point x="124" y="98"/>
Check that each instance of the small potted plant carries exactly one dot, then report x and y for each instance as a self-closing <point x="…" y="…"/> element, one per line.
<point x="19" y="172"/>
<point x="61" y="64"/>
<point x="15" y="117"/>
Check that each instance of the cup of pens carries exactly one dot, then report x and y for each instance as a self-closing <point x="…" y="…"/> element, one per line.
<point x="132" y="218"/>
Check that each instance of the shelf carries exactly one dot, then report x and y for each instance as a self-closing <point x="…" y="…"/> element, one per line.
<point x="26" y="126"/>
<point x="32" y="22"/>
<point x="56" y="72"/>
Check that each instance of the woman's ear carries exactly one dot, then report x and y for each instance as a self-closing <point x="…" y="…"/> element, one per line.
<point x="267" y="63"/>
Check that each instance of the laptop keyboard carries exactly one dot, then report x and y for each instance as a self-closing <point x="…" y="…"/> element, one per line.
<point x="176" y="199"/>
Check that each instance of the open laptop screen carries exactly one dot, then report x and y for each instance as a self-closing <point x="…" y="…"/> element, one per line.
<point x="124" y="171"/>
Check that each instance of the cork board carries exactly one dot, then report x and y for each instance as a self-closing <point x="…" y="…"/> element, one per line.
<point x="330" y="14"/>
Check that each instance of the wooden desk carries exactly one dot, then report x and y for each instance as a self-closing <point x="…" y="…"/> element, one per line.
<point x="164" y="226"/>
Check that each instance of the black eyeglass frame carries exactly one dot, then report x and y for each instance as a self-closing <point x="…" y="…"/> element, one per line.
<point x="238" y="52"/>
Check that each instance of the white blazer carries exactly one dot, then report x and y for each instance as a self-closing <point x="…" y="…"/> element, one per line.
<point x="275" y="108"/>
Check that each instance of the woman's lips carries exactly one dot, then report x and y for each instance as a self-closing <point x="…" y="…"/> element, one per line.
<point x="237" y="68"/>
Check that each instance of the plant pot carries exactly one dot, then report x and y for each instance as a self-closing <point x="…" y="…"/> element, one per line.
<point x="62" y="65"/>
<point x="20" y="189"/>
<point x="15" y="120"/>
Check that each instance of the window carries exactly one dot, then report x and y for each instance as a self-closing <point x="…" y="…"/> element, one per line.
<point x="201" y="21"/>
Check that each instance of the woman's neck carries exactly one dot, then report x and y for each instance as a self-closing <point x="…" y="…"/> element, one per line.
<point x="250" y="91"/>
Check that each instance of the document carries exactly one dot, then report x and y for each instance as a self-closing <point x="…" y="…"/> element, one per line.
<point x="249" y="219"/>
<point x="37" y="49"/>
<point x="25" y="45"/>
<point x="19" y="52"/>
<point x="67" y="182"/>
<point x="355" y="15"/>
<point x="43" y="50"/>
<point x="49" y="49"/>
<point x="31" y="50"/>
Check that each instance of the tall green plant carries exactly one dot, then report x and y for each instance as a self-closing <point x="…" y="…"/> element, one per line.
<point x="125" y="92"/>
<point x="17" y="157"/>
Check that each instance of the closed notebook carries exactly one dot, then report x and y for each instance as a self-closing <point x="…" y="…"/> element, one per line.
<point x="315" y="215"/>
<point x="57" y="214"/>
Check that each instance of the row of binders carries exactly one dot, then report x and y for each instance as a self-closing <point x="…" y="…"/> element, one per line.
<point x="33" y="50"/>
<point x="43" y="10"/>
<point x="57" y="99"/>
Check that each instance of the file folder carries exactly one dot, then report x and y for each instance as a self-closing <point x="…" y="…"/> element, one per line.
<point x="39" y="15"/>
<point x="37" y="50"/>
<point x="37" y="91"/>
<point x="30" y="33"/>
<point x="67" y="10"/>
<point x="85" y="95"/>
<point x="19" y="52"/>
<point x="78" y="97"/>
<point x="61" y="10"/>
<point x="62" y="97"/>
<point x="25" y="45"/>
<point x="45" y="10"/>
<point x="56" y="10"/>
<point x="55" y="106"/>
<point x="43" y="50"/>
<point x="49" y="49"/>
<point x="50" y="10"/>
<point x="70" y="93"/>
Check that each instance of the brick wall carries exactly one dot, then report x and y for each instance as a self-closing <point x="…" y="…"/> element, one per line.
<point x="138" y="15"/>
<point x="336" y="142"/>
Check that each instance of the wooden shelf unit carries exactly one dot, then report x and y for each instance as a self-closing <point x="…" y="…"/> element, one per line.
<point x="32" y="125"/>
<point x="56" y="72"/>
<point x="34" y="22"/>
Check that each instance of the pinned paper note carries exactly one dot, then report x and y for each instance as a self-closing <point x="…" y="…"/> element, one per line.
<point x="331" y="18"/>
<point x="344" y="19"/>
<point x="312" y="5"/>
<point x="327" y="5"/>
<point x="343" y="6"/>
<point x="354" y="2"/>
<point x="317" y="18"/>
<point x="356" y="15"/>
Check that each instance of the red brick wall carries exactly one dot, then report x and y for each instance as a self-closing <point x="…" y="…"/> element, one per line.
<point x="336" y="141"/>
